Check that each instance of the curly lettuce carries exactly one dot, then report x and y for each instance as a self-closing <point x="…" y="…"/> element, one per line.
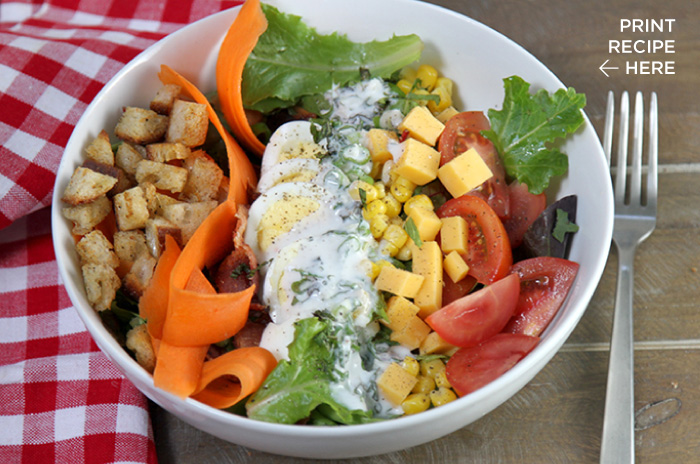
<point x="292" y="60"/>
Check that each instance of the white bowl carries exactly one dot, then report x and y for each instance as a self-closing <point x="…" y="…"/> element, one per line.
<point x="477" y="58"/>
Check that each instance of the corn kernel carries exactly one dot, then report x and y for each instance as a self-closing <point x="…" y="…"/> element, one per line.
<point x="444" y="103"/>
<point x="373" y="209"/>
<point x="427" y="75"/>
<point x="374" y="271"/>
<point x="431" y="368"/>
<point x="415" y="403"/>
<point x="424" y="384"/>
<point x="402" y="189"/>
<point x="370" y="191"/>
<point x="388" y="248"/>
<point x="380" y="188"/>
<point x="405" y="85"/>
<point x="378" y="224"/>
<point x="395" y="235"/>
<point x="441" y="380"/>
<point x="446" y="83"/>
<point x="393" y="207"/>
<point x="405" y="253"/>
<point x="408" y="73"/>
<point x="442" y="396"/>
<point x="411" y="365"/>
<point x="418" y="201"/>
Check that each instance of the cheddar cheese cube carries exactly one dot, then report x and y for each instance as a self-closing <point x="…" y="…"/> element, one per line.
<point x="422" y="125"/>
<point x="427" y="262"/>
<point x="396" y="383"/>
<point x="412" y="334"/>
<point x="445" y="115"/>
<point x="453" y="234"/>
<point x="435" y="344"/>
<point x="378" y="144"/>
<point x="398" y="282"/>
<point x="400" y="311"/>
<point x="455" y="267"/>
<point x="419" y="162"/>
<point x="427" y="223"/>
<point x="464" y="173"/>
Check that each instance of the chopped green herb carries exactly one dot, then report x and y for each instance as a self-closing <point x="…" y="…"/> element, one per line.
<point x="412" y="231"/>
<point x="563" y="225"/>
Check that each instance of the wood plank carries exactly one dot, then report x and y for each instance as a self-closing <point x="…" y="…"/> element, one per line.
<point x="556" y="418"/>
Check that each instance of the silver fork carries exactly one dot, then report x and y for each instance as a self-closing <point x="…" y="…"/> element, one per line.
<point x="635" y="219"/>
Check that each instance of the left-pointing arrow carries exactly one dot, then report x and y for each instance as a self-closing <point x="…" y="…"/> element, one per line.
<point x="603" y="68"/>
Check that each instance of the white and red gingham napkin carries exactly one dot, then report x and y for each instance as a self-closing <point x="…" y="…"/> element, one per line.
<point x="61" y="399"/>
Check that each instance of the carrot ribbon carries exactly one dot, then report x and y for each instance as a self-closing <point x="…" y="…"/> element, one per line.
<point x="235" y="49"/>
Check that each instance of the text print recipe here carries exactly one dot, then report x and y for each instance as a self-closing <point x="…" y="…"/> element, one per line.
<point x="647" y="52"/>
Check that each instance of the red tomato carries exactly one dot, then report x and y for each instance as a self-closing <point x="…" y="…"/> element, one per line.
<point x="544" y="284"/>
<point x="452" y="291"/>
<point x="462" y="132"/>
<point x="489" y="254"/>
<point x="479" y="315"/>
<point x="525" y="207"/>
<point x="472" y="368"/>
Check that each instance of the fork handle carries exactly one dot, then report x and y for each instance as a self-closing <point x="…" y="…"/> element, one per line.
<point x="617" y="445"/>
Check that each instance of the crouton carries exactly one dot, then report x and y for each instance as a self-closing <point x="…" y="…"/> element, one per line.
<point x="156" y="229"/>
<point x="128" y="245"/>
<point x="95" y="248"/>
<point x="164" y="200"/>
<point x="139" y="276"/>
<point x="87" y="215"/>
<point x="101" y="285"/>
<point x="162" y="103"/>
<point x="131" y="209"/>
<point x="138" y="340"/>
<point x="188" y="216"/>
<point x="141" y="126"/>
<point x="87" y="185"/>
<point x="150" y="192"/>
<point x="163" y="176"/>
<point x="127" y="158"/>
<point x="123" y="181"/>
<point x="100" y="149"/>
<point x="203" y="179"/>
<point x="166" y="151"/>
<point x="189" y="123"/>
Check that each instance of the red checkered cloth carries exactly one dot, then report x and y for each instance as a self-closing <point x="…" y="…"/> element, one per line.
<point x="61" y="400"/>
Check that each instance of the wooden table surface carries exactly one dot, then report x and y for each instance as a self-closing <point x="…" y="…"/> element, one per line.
<point x="557" y="418"/>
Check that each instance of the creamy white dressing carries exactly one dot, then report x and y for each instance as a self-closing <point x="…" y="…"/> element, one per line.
<point x="321" y="265"/>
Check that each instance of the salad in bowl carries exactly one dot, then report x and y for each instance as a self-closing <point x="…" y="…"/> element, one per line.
<point x="329" y="236"/>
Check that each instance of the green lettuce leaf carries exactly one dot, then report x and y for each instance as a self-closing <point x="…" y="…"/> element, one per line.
<point x="525" y="130"/>
<point x="291" y="60"/>
<point x="302" y="385"/>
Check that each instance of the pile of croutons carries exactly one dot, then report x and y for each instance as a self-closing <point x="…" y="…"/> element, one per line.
<point x="157" y="182"/>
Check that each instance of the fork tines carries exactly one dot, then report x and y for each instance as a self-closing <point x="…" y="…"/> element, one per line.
<point x="633" y="193"/>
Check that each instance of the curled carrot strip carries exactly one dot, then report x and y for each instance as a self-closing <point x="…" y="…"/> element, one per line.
<point x="249" y="365"/>
<point x="198" y="316"/>
<point x="178" y="368"/>
<point x="238" y="44"/>
<point x="242" y="177"/>
<point x="153" y="304"/>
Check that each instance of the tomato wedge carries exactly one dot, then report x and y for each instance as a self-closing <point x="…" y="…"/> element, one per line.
<point x="479" y="315"/>
<point x="525" y="208"/>
<point x="489" y="255"/>
<point x="462" y="132"/>
<point x="472" y="368"/>
<point x="452" y="291"/>
<point x="544" y="284"/>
